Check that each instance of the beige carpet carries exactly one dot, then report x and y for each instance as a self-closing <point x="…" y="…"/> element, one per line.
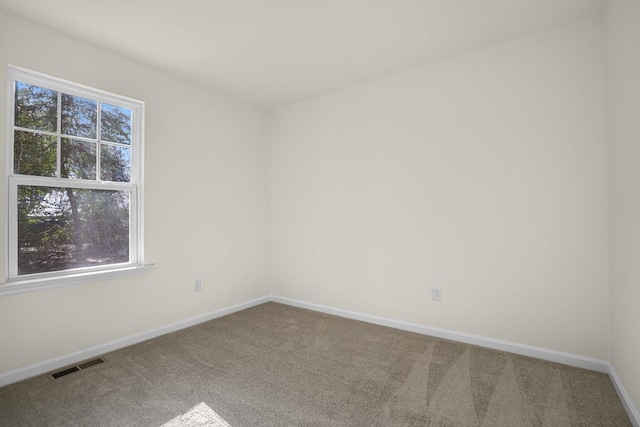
<point x="275" y="365"/>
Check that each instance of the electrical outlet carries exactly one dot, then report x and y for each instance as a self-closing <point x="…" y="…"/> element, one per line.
<point x="436" y="294"/>
<point x="197" y="285"/>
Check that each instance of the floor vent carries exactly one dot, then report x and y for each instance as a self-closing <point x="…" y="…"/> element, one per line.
<point x="72" y="369"/>
<point x="91" y="363"/>
<point x="64" y="372"/>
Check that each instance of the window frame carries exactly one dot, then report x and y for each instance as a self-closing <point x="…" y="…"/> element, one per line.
<point x="18" y="283"/>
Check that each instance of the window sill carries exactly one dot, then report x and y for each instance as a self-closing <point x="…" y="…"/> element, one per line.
<point x="19" y="286"/>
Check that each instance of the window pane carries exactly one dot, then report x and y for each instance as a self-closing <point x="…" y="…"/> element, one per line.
<point x="78" y="159"/>
<point x="115" y="124"/>
<point x="64" y="228"/>
<point x="79" y="116"/>
<point x="34" y="154"/>
<point x="36" y="107"/>
<point x="115" y="163"/>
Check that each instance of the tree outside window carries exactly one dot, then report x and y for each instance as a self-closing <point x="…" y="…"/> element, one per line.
<point x="74" y="186"/>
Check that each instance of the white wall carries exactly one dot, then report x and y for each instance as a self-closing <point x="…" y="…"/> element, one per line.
<point x="622" y="26"/>
<point x="206" y="205"/>
<point x="484" y="175"/>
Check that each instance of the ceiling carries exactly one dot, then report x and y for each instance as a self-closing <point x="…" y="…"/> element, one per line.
<point x="275" y="52"/>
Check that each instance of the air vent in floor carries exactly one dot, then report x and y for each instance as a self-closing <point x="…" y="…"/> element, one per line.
<point x="72" y="369"/>
<point x="91" y="363"/>
<point x="64" y="372"/>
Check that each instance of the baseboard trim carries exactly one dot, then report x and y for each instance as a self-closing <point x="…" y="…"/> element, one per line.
<point x="496" y="344"/>
<point x="20" y="374"/>
<point x="511" y="347"/>
<point x="632" y="411"/>
<point x="43" y="367"/>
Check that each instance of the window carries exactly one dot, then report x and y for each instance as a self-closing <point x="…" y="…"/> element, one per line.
<point x="74" y="179"/>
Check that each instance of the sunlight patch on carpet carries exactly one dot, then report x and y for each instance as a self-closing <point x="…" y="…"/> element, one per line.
<point x="198" y="416"/>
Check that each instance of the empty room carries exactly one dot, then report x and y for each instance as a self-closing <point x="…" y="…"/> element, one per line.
<point x="320" y="213"/>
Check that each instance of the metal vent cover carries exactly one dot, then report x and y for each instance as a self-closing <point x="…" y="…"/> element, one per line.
<point x="64" y="372"/>
<point x="91" y="363"/>
<point x="76" y="368"/>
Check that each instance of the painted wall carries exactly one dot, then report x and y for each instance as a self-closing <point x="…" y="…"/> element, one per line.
<point x="206" y="205"/>
<point x="484" y="175"/>
<point x="622" y="25"/>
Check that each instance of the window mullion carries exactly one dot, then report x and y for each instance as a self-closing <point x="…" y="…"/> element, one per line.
<point x="78" y="138"/>
<point x="98" y="139"/>
<point x="69" y="183"/>
<point x="38" y="131"/>
<point x="58" y="138"/>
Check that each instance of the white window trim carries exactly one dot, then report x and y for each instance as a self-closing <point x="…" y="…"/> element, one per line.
<point x="31" y="284"/>
<point x="17" y="284"/>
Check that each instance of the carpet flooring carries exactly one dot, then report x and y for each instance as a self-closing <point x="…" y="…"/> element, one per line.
<point x="275" y="365"/>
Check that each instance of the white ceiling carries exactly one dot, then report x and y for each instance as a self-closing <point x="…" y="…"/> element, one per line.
<point x="275" y="52"/>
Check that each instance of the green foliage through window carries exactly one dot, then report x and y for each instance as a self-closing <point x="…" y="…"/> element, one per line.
<point x="60" y="139"/>
<point x="65" y="228"/>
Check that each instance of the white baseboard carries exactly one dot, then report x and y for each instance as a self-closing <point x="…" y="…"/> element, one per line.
<point x="632" y="411"/>
<point x="72" y="358"/>
<point x="511" y="347"/>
